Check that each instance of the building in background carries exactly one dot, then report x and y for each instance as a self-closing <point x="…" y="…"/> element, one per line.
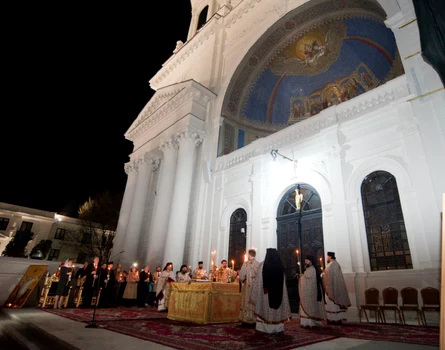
<point x="66" y="233"/>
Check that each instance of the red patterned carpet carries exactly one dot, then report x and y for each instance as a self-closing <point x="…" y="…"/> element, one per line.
<point x="148" y="324"/>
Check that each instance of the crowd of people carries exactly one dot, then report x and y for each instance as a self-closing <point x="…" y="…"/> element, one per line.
<point x="264" y="299"/>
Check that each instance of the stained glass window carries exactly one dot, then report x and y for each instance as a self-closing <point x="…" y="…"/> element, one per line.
<point x="385" y="227"/>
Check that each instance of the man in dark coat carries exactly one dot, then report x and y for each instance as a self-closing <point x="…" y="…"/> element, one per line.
<point x="144" y="281"/>
<point x="90" y="285"/>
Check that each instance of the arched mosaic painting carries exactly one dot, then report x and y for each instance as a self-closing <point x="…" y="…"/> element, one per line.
<point x="319" y="55"/>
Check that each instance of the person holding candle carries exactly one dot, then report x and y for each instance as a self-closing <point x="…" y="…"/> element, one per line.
<point x="91" y="274"/>
<point x="337" y="297"/>
<point x="312" y="311"/>
<point x="247" y="276"/>
<point x="131" y="289"/>
<point x="108" y="289"/>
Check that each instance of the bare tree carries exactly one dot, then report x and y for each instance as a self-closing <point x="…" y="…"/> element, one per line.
<point x="98" y="216"/>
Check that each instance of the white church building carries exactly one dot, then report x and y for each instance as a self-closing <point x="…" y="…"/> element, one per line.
<point x="331" y="97"/>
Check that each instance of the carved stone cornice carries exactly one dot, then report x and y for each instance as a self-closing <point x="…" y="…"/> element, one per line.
<point x="371" y="100"/>
<point x="153" y="113"/>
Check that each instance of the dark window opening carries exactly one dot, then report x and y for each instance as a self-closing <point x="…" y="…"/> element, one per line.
<point x="202" y="17"/>
<point x="26" y="226"/>
<point x="60" y="234"/>
<point x="4" y="223"/>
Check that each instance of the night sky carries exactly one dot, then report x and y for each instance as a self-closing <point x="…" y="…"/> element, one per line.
<point x="75" y="79"/>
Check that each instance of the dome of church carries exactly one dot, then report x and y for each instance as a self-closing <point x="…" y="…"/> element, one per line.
<point x="300" y="67"/>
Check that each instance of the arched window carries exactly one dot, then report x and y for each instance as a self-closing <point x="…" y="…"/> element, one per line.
<point x="237" y="237"/>
<point x="202" y="17"/>
<point x="385" y="228"/>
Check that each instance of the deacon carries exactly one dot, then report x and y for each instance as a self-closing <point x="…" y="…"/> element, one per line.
<point x="337" y="297"/>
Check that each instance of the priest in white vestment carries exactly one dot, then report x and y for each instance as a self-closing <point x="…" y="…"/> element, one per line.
<point x="163" y="286"/>
<point x="247" y="277"/>
<point x="337" y="297"/>
<point x="312" y="310"/>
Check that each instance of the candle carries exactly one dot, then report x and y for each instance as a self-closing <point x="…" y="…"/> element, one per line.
<point x="321" y="264"/>
<point x="233" y="264"/>
<point x="245" y="257"/>
<point x="298" y="261"/>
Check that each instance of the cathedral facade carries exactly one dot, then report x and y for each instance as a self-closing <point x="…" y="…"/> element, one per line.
<point x="308" y="126"/>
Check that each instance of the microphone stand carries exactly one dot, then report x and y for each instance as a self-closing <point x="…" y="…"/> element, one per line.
<point x="93" y="323"/>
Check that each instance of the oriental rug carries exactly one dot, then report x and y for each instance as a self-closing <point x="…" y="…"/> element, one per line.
<point x="108" y="314"/>
<point x="149" y="324"/>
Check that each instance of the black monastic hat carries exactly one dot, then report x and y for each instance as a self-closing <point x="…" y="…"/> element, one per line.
<point x="331" y="254"/>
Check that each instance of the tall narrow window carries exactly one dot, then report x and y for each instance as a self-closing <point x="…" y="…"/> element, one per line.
<point x="385" y="227"/>
<point x="237" y="238"/>
<point x="202" y="17"/>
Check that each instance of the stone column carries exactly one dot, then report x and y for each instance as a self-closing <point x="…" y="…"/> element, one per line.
<point x="177" y="225"/>
<point x="137" y="212"/>
<point x="124" y="214"/>
<point x="158" y="229"/>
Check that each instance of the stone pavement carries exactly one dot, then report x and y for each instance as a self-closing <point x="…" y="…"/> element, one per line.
<point x="34" y="329"/>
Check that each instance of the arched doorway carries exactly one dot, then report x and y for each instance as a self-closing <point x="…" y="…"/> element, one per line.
<point x="300" y="229"/>
<point x="237" y="238"/>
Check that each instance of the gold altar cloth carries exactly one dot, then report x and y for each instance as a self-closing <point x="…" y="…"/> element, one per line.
<point x="204" y="302"/>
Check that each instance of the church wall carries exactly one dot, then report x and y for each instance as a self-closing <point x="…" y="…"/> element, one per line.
<point x="383" y="129"/>
<point x="340" y="155"/>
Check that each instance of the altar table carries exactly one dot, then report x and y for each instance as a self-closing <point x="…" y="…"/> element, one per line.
<point x="204" y="302"/>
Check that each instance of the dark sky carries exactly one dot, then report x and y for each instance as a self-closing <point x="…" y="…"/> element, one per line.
<point x="75" y="79"/>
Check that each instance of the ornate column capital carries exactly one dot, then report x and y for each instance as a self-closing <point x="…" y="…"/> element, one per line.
<point x="128" y="168"/>
<point x="152" y="161"/>
<point x="193" y="136"/>
<point x="136" y="163"/>
<point x="168" y="144"/>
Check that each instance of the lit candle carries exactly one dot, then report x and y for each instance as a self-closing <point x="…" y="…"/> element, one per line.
<point x="233" y="265"/>
<point x="298" y="261"/>
<point x="245" y="257"/>
<point x="321" y="264"/>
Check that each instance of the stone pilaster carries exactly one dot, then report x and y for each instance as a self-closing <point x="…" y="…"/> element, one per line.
<point x="176" y="232"/>
<point x="158" y="230"/>
<point x="124" y="214"/>
<point x="137" y="212"/>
